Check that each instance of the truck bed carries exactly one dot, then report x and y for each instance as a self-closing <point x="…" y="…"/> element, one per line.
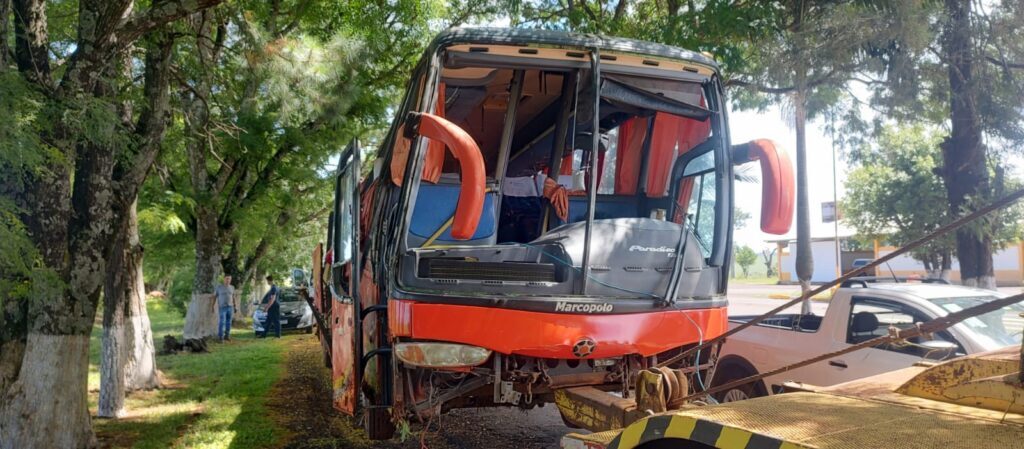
<point x="792" y="322"/>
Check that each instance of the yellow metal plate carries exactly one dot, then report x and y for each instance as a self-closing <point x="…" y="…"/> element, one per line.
<point x="808" y="420"/>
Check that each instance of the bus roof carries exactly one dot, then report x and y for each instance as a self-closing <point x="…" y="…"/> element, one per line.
<point x="525" y="37"/>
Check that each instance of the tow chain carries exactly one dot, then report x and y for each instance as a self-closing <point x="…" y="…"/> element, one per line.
<point x="942" y="230"/>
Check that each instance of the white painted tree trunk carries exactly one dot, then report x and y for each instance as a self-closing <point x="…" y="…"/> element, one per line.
<point x="201" y="317"/>
<point x="47" y="407"/>
<point x="238" y="317"/>
<point x="128" y="360"/>
<point x="259" y="288"/>
<point x="112" y="371"/>
<point x="140" y="369"/>
<point x="986" y="282"/>
<point x="244" y="307"/>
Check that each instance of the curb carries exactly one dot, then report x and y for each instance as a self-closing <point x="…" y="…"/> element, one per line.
<point x="820" y="297"/>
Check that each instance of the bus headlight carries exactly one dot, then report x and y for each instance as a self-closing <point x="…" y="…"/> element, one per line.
<point x="441" y="355"/>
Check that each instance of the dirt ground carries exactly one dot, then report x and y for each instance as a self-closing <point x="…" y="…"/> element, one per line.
<point x="301" y="401"/>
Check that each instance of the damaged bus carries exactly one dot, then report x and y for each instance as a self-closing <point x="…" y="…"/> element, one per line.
<point x="548" y="210"/>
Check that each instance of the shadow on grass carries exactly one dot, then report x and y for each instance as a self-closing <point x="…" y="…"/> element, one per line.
<point x="212" y="400"/>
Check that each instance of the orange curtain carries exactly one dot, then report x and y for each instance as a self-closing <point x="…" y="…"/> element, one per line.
<point x="566" y="167"/>
<point x="663" y="151"/>
<point x="671" y="132"/>
<point x="683" y="199"/>
<point x="630" y="148"/>
<point x="399" y="156"/>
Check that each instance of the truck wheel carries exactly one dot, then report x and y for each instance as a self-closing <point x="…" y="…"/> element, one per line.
<point x="739" y="393"/>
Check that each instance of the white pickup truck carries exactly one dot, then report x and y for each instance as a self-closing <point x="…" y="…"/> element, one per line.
<point x="858" y="312"/>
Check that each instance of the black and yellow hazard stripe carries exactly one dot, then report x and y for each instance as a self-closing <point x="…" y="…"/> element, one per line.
<point x="694" y="429"/>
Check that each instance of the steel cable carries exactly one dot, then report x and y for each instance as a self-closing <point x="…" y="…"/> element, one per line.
<point x="942" y="230"/>
<point x="929" y="327"/>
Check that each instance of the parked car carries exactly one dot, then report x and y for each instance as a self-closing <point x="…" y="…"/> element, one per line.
<point x="857" y="263"/>
<point x="295" y="313"/>
<point x="857" y="313"/>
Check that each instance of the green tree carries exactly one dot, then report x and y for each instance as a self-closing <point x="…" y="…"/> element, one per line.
<point x="896" y="194"/>
<point x="94" y="84"/>
<point x="745" y="257"/>
<point x="814" y="48"/>
<point x="958" y="67"/>
<point x="768" y="257"/>
<point x="723" y="28"/>
<point x="265" y="110"/>
<point x="740" y="218"/>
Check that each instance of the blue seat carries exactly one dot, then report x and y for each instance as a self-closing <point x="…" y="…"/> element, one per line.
<point x="607" y="207"/>
<point x="435" y="204"/>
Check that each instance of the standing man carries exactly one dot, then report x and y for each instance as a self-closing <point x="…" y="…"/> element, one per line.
<point x="226" y="307"/>
<point x="273" y="309"/>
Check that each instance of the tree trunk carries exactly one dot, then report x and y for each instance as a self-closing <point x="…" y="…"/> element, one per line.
<point x="47" y="407"/>
<point x="964" y="156"/>
<point x="141" y="372"/>
<point x="5" y="20"/>
<point x="12" y="352"/>
<point x="128" y="358"/>
<point x="947" y="265"/>
<point x="201" y="318"/>
<point x="804" y="260"/>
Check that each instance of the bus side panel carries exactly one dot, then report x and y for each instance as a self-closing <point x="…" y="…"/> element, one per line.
<point x="343" y="359"/>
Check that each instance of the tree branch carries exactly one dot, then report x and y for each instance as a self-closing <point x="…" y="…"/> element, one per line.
<point x="31" y="41"/>
<point x="153" y="119"/>
<point x="1005" y="64"/>
<point x="826" y="78"/>
<point x="5" y="15"/>
<point x="138" y="24"/>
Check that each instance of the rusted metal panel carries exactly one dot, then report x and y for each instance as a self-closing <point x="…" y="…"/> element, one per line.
<point x="577" y="379"/>
<point x="343" y="358"/>
<point x="595" y="410"/>
<point x="988" y="381"/>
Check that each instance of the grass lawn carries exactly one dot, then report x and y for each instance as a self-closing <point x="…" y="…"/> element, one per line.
<point x="214" y="400"/>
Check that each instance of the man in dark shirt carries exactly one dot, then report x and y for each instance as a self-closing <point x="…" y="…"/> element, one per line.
<point x="273" y="308"/>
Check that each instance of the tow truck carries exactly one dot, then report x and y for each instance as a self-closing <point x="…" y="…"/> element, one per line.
<point x="548" y="216"/>
<point x="964" y="403"/>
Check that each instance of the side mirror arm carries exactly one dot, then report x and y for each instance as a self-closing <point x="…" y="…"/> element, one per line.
<point x="474" y="175"/>
<point x="777" y="183"/>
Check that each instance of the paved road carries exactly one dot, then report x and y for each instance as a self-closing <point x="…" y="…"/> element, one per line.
<point x="747" y="299"/>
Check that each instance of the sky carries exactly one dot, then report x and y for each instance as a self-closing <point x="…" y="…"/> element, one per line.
<point x="771" y="124"/>
<point x="748" y="125"/>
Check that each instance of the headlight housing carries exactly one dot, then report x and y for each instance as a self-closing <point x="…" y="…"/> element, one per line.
<point x="441" y="355"/>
